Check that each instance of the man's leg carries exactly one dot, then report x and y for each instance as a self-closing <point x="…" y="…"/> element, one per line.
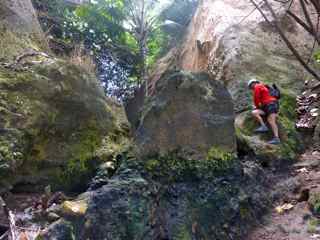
<point x="257" y="113"/>
<point x="272" y="120"/>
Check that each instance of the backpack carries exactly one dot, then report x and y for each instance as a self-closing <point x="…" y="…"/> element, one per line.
<point x="274" y="91"/>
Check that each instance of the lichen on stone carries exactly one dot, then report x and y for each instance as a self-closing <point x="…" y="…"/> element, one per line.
<point x="56" y="121"/>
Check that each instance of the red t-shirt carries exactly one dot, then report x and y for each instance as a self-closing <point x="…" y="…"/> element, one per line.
<point x="261" y="95"/>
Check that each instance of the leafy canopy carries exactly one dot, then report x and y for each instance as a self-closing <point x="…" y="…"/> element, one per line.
<point x="124" y="40"/>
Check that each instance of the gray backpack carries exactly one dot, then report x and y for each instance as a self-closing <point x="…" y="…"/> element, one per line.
<point x="274" y="91"/>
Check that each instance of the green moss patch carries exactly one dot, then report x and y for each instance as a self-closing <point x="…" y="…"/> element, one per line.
<point x="58" y="126"/>
<point x="174" y="168"/>
<point x="313" y="225"/>
<point x="314" y="203"/>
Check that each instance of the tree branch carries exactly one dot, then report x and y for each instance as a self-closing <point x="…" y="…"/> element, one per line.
<point x="283" y="36"/>
<point x="300" y="21"/>
<point x="316" y="5"/>
<point x="307" y="16"/>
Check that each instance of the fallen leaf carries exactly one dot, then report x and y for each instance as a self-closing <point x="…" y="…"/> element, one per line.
<point x="302" y="170"/>
<point x="284" y="207"/>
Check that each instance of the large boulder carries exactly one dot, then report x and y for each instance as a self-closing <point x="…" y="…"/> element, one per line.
<point x="131" y="206"/>
<point x="232" y="44"/>
<point x="19" y="29"/>
<point x="189" y="113"/>
<point x="56" y="125"/>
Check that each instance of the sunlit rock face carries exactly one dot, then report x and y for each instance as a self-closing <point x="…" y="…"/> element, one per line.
<point x="233" y="43"/>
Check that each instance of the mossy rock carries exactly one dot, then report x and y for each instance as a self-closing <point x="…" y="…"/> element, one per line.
<point x="174" y="167"/>
<point x="189" y="112"/>
<point x="314" y="203"/>
<point x="57" y="125"/>
<point x="291" y="144"/>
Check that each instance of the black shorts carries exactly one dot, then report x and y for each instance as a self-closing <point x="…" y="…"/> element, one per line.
<point x="271" y="108"/>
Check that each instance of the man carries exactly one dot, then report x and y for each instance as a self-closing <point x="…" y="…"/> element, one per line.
<point x="265" y="105"/>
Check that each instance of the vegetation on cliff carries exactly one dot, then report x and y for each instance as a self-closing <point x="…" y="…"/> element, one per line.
<point x="191" y="165"/>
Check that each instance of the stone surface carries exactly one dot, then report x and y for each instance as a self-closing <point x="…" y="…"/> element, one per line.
<point x="19" y="29"/>
<point x="59" y="230"/>
<point x="309" y="164"/>
<point x="233" y="44"/>
<point x="256" y="144"/>
<point x="56" y="125"/>
<point x="76" y="208"/>
<point x="189" y="112"/>
<point x="131" y="206"/>
<point x="52" y="217"/>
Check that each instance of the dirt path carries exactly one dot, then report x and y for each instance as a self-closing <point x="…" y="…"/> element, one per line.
<point x="297" y="223"/>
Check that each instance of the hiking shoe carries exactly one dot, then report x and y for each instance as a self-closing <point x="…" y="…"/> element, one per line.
<point x="262" y="129"/>
<point x="275" y="141"/>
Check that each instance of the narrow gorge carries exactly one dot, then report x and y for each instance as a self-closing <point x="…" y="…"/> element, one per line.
<point x="179" y="159"/>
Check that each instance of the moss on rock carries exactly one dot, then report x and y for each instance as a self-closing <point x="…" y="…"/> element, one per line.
<point x="55" y="121"/>
<point x="314" y="203"/>
<point x="190" y="112"/>
<point x="174" y="167"/>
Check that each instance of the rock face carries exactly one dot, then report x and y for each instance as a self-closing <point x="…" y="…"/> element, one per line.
<point x="189" y="112"/>
<point x="133" y="207"/>
<point x="56" y="123"/>
<point x="54" y="118"/>
<point x="233" y="49"/>
<point x="19" y="28"/>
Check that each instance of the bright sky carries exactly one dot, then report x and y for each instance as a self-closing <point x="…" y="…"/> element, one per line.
<point x="163" y="3"/>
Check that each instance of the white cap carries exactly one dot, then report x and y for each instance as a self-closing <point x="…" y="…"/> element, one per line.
<point x="252" y="81"/>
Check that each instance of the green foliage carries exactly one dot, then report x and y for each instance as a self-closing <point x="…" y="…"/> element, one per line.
<point x="317" y="56"/>
<point x="313" y="224"/>
<point x="314" y="202"/>
<point x="110" y="31"/>
<point x="99" y="24"/>
<point x="83" y="164"/>
<point x="104" y="25"/>
<point x="157" y="46"/>
<point x="292" y="145"/>
<point x="173" y="168"/>
<point x="219" y="159"/>
<point x="52" y="15"/>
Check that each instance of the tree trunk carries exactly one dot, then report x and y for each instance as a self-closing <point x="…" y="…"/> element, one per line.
<point x="19" y="28"/>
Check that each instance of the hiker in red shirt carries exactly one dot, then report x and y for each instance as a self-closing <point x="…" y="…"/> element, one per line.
<point x="265" y="105"/>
